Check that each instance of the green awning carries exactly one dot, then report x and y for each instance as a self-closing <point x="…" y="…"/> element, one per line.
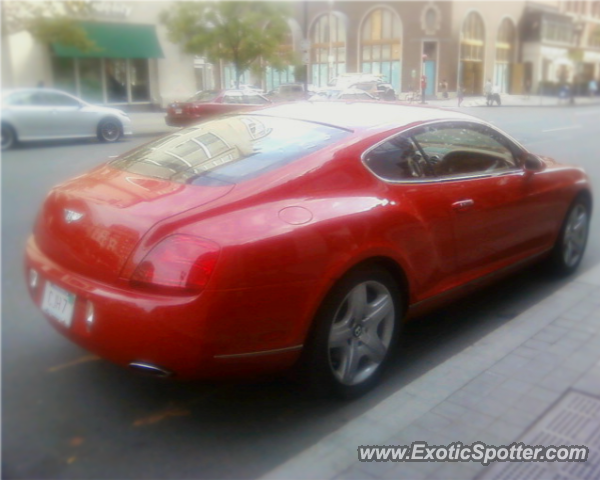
<point x="115" y="40"/>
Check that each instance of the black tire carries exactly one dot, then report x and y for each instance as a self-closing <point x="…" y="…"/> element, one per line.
<point x="9" y="137"/>
<point x="347" y="349"/>
<point x="572" y="239"/>
<point x="109" y="130"/>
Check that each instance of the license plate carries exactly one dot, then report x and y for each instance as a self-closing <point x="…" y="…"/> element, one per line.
<point x="58" y="303"/>
<point x="178" y="111"/>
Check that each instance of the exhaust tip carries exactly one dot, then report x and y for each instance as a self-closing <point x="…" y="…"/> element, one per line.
<point x="152" y="370"/>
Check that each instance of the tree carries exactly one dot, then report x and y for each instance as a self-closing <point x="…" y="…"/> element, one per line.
<point x="48" y="21"/>
<point x="242" y="33"/>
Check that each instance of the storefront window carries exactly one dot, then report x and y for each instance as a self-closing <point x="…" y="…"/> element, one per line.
<point x="63" y="71"/>
<point x="594" y="39"/>
<point x="139" y="78"/>
<point x="472" y="47"/>
<point x="116" y="80"/>
<point x="90" y="80"/>
<point x="107" y="80"/>
<point x="328" y="51"/>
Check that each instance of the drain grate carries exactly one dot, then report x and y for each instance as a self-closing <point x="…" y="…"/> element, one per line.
<point x="574" y="420"/>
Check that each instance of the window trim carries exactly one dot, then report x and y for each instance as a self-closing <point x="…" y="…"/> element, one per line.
<point x="515" y="147"/>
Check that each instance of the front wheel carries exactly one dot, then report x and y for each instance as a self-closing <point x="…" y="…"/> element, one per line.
<point x="354" y="333"/>
<point x="109" y="130"/>
<point x="572" y="240"/>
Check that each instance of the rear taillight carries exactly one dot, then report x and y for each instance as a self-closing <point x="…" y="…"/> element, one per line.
<point x="179" y="262"/>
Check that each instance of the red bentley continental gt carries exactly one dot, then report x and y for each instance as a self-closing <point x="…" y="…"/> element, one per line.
<point x="296" y="235"/>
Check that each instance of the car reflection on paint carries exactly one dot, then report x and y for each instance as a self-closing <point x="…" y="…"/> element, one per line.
<point x="295" y="236"/>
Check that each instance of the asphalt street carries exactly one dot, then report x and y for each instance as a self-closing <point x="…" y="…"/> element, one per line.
<point x="67" y="414"/>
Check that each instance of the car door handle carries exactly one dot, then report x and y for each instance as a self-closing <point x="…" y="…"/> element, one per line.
<point x="463" y="204"/>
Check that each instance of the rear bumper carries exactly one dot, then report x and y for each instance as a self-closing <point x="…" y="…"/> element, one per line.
<point x="181" y="334"/>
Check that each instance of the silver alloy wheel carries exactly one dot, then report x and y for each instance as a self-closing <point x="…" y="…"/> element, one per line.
<point x="361" y="332"/>
<point x="575" y="235"/>
<point x="110" y="130"/>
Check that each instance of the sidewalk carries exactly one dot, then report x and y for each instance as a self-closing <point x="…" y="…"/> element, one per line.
<point x="536" y="379"/>
<point x="150" y="124"/>
<point x="514" y="101"/>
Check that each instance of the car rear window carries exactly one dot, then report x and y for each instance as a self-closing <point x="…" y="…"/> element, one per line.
<point x="229" y="150"/>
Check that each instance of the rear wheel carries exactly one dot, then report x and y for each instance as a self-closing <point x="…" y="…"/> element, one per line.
<point x="109" y="130"/>
<point x="572" y="240"/>
<point x="9" y="137"/>
<point x="354" y="333"/>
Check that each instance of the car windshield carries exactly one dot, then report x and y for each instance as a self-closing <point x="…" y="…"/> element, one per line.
<point x="203" y="97"/>
<point x="229" y="150"/>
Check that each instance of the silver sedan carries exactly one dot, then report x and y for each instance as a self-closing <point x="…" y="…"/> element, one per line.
<point x="46" y="114"/>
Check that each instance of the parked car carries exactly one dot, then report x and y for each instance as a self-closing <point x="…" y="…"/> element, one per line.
<point x="298" y="235"/>
<point x="372" y="83"/>
<point x="377" y="89"/>
<point x="30" y="114"/>
<point x="345" y="94"/>
<point x="348" y="79"/>
<point x="290" y="92"/>
<point x="209" y="103"/>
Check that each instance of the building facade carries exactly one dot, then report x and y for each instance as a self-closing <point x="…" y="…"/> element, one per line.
<point x="136" y="65"/>
<point x="518" y="45"/>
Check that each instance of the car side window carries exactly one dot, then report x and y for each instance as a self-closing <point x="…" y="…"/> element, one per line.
<point x="20" y="98"/>
<point x="465" y="149"/>
<point x="397" y="159"/>
<point x="232" y="99"/>
<point x="51" y="99"/>
<point x="254" y="100"/>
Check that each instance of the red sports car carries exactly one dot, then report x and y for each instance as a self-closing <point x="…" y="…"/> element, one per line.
<point x="210" y="103"/>
<point x="295" y="235"/>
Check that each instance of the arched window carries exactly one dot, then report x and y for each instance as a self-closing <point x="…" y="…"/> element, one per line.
<point x="381" y="46"/>
<point x="328" y="49"/>
<point x="505" y="46"/>
<point x="472" y="48"/>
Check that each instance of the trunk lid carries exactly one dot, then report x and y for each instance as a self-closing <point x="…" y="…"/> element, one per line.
<point x="91" y="224"/>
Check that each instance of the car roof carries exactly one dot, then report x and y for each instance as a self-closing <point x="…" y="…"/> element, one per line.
<point x="359" y="115"/>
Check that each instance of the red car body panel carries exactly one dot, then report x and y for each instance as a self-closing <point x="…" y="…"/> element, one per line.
<point x="285" y="238"/>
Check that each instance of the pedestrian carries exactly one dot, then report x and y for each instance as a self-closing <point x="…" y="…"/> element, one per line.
<point x="444" y="88"/>
<point x="592" y="88"/>
<point x="487" y="91"/>
<point x="460" y="94"/>
<point x="527" y="88"/>
<point x="495" y="95"/>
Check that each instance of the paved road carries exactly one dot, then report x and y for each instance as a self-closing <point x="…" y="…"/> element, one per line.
<point x="67" y="415"/>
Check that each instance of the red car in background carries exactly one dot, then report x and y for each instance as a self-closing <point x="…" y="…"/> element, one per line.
<point x="209" y="103"/>
<point x="298" y="234"/>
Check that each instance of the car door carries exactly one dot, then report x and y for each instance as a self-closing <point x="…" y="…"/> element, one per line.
<point x="496" y="215"/>
<point x="67" y="117"/>
<point x="422" y="229"/>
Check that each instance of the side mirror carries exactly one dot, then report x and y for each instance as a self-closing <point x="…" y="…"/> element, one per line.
<point x="532" y="163"/>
